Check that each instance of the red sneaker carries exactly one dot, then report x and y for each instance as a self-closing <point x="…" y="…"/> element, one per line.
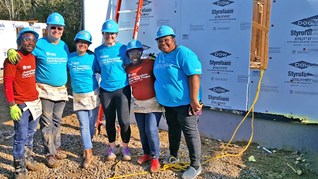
<point x="143" y="159"/>
<point x="155" y="166"/>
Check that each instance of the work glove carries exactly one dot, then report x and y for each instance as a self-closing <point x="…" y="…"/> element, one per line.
<point x="15" y="112"/>
<point x="152" y="56"/>
<point x="13" y="56"/>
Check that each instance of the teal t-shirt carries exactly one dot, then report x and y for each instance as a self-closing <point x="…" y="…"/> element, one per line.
<point x="171" y="71"/>
<point x="111" y="61"/>
<point x="51" y="62"/>
<point x="82" y="71"/>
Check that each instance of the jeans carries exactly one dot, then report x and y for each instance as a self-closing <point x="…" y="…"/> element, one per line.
<point x="179" y="120"/>
<point x="117" y="101"/>
<point x="50" y="124"/>
<point x="24" y="132"/>
<point x="149" y="134"/>
<point x="87" y="120"/>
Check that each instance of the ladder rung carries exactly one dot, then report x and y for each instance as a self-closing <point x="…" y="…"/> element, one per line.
<point x="138" y="12"/>
<point x="127" y="28"/>
<point x="128" y="11"/>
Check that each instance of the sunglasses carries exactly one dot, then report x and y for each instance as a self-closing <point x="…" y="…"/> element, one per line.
<point x="58" y="28"/>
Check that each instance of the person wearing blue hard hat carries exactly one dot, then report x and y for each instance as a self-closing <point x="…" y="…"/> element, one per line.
<point x="51" y="72"/>
<point x="82" y="65"/>
<point x="25" y="105"/>
<point x="177" y="70"/>
<point x="147" y="110"/>
<point x="115" y="91"/>
<point x="51" y="76"/>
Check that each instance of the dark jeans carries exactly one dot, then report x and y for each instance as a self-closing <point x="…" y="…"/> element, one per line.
<point x="50" y="124"/>
<point x="117" y="101"/>
<point x="149" y="134"/>
<point x="179" y="120"/>
<point x="24" y="131"/>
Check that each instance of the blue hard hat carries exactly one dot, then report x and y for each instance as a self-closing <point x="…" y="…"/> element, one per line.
<point x="83" y="35"/>
<point x="133" y="44"/>
<point x="110" y="26"/>
<point x="55" y="19"/>
<point x="164" y="31"/>
<point x="27" y="30"/>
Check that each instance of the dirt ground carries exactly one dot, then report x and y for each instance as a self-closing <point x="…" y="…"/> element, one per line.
<point x="277" y="164"/>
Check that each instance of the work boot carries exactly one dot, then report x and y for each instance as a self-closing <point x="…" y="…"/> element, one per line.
<point x="60" y="155"/>
<point x="31" y="164"/>
<point x="20" y="170"/>
<point x="52" y="162"/>
<point x="88" y="158"/>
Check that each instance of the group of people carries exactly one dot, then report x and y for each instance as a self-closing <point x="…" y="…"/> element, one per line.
<point x="168" y="84"/>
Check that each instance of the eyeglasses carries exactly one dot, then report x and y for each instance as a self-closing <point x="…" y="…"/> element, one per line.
<point x="29" y="39"/>
<point x="58" y="28"/>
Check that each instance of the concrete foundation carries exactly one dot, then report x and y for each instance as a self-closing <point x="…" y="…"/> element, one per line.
<point x="267" y="133"/>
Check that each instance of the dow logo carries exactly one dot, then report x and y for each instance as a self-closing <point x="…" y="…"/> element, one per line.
<point x="301" y="64"/>
<point x="220" y="54"/>
<point x="219" y="90"/>
<point x="307" y="22"/>
<point x="223" y="3"/>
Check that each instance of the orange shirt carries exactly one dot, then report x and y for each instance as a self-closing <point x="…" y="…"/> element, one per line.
<point x="141" y="79"/>
<point x="20" y="77"/>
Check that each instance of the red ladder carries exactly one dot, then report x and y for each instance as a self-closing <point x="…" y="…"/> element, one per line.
<point x="137" y="19"/>
<point x="135" y="34"/>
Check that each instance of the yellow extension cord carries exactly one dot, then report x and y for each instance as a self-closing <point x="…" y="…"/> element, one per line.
<point x="181" y="166"/>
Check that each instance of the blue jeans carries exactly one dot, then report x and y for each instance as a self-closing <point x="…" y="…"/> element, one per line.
<point x="87" y="120"/>
<point x="149" y="133"/>
<point x="24" y="131"/>
<point x="50" y="124"/>
<point x="178" y="119"/>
